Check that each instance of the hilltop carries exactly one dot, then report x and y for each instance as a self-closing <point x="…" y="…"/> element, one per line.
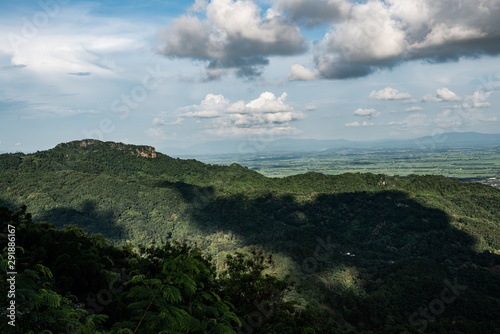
<point x="92" y="145"/>
<point x="368" y="250"/>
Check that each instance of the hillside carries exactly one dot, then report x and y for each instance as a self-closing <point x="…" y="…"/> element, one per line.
<point x="366" y="251"/>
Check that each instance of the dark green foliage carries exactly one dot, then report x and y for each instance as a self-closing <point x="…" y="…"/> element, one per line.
<point x="42" y="305"/>
<point x="259" y="298"/>
<point x="365" y="251"/>
<point x="180" y="298"/>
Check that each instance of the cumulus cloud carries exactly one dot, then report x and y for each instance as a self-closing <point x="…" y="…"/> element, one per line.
<point x="442" y="95"/>
<point x="265" y="111"/>
<point x="466" y="114"/>
<point x="364" y="36"/>
<point x="447" y="95"/>
<point x="314" y="13"/>
<point x="300" y="73"/>
<point x="477" y="100"/>
<point x="389" y="93"/>
<point x="267" y="114"/>
<point x="382" y="34"/>
<point x="355" y="47"/>
<point x="366" y="113"/>
<point x="232" y="35"/>
<point x="159" y="121"/>
<point x="208" y="108"/>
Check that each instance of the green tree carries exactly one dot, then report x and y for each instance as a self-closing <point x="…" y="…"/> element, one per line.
<point x="179" y="298"/>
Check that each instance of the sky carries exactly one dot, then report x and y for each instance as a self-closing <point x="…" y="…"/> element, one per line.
<point x="172" y="74"/>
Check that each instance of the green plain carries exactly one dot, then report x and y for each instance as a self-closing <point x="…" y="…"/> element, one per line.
<point x="473" y="165"/>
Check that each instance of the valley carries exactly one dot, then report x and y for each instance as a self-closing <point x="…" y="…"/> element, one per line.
<point x="481" y="164"/>
<point x="359" y="251"/>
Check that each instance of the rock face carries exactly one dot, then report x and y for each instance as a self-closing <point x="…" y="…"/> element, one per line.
<point x="94" y="145"/>
<point x="149" y="152"/>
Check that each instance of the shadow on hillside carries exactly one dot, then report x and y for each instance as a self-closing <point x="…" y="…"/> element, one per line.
<point x="8" y="204"/>
<point x="88" y="217"/>
<point x="386" y="249"/>
<point x="388" y="223"/>
<point x="190" y="193"/>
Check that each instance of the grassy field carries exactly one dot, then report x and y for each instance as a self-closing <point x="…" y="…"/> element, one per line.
<point x="475" y="165"/>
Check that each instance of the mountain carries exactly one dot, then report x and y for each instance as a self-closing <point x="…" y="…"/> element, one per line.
<point x="252" y="146"/>
<point x="441" y="141"/>
<point x="367" y="252"/>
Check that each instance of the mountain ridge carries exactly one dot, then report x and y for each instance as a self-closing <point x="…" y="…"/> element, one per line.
<point x="387" y="242"/>
<point x="89" y="144"/>
<point x="444" y="140"/>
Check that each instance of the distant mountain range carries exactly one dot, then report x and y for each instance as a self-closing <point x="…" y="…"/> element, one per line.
<point x="441" y="141"/>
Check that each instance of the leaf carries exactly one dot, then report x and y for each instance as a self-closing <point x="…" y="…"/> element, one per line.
<point x="172" y="294"/>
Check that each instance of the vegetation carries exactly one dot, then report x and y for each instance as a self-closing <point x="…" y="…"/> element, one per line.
<point x="227" y="249"/>
<point x="479" y="164"/>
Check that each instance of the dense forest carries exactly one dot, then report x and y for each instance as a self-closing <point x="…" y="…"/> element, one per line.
<point x="116" y="238"/>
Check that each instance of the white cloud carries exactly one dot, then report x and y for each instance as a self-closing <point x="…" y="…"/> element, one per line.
<point x="474" y="105"/>
<point x="382" y="34"/>
<point x="430" y="98"/>
<point x="208" y="108"/>
<point x="447" y="95"/>
<point x="412" y="121"/>
<point x="414" y="108"/>
<point x="366" y="113"/>
<point x="158" y="121"/>
<point x="232" y="36"/>
<point x="442" y="95"/>
<point x="477" y="100"/>
<point x="442" y="34"/>
<point x="81" y="44"/>
<point x="202" y="114"/>
<point x="389" y="93"/>
<point x="268" y="103"/>
<point x="415" y="13"/>
<point x="300" y="73"/>
<point x="370" y="37"/>
<point x="357" y="124"/>
<point x="267" y="114"/>
<point x="448" y="119"/>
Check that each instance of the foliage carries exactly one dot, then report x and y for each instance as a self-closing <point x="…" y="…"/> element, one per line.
<point x="365" y="251"/>
<point x="181" y="298"/>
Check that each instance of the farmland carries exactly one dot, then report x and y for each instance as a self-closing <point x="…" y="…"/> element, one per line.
<point x="474" y="165"/>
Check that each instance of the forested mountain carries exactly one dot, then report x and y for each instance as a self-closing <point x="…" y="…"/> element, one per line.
<point x="364" y="253"/>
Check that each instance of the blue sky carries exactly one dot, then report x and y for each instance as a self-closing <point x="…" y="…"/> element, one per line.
<point x="176" y="73"/>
